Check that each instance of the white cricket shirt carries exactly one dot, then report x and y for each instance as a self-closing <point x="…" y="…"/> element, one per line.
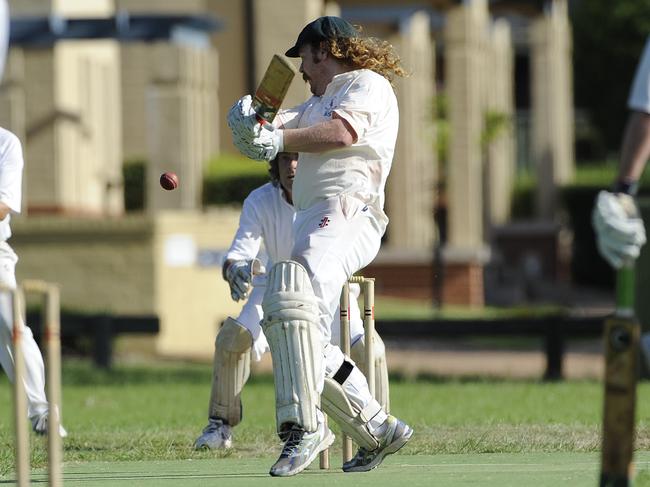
<point x="11" y="176"/>
<point x="266" y="218"/>
<point x="366" y="100"/>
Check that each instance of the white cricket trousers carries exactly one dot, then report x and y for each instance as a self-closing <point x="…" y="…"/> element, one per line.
<point x="333" y="240"/>
<point x="34" y="379"/>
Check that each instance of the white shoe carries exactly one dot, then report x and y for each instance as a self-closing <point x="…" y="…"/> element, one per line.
<point x="40" y="425"/>
<point x="395" y="437"/>
<point x="300" y="449"/>
<point x="216" y="434"/>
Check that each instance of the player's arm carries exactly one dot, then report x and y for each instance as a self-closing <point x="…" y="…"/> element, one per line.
<point x="321" y="137"/>
<point x="241" y="262"/>
<point x="636" y="148"/>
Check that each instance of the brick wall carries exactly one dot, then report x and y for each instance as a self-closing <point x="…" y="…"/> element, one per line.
<point x="462" y="283"/>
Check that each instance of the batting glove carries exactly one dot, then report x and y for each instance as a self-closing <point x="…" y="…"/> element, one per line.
<point x="269" y="141"/>
<point x="239" y="275"/>
<point x="250" y="149"/>
<point x="242" y="120"/>
<point x="620" y="232"/>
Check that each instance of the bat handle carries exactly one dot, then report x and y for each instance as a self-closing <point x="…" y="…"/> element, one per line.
<point x="625" y="289"/>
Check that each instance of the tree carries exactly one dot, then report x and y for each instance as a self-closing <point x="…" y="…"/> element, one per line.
<point x="608" y="39"/>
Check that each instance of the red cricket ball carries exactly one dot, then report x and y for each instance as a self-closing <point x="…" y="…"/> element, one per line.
<point x="169" y="180"/>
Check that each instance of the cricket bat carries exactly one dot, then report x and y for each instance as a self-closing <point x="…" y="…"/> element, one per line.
<point x="273" y="88"/>
<point x="621" y="334"/>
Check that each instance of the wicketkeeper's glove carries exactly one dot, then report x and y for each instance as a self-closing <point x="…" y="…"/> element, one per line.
<point x="239" y="275"/>
<point x="620" y="232"/>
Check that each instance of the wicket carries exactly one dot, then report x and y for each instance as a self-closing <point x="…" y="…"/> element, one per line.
<point x="368" y="292"/>
<point x="51" y="318"/>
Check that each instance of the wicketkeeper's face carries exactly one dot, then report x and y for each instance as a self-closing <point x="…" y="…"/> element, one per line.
<point x="287" y="164"/>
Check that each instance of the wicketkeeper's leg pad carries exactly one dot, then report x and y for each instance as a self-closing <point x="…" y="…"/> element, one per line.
<point x="291" y="327"/>
<point x="358" y="354"/>
<point x="230" y="371"/>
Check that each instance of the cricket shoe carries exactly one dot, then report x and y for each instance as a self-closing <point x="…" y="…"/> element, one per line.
<point x="396" y="435"/>
<point x="216" y="434"/>
<point x="40" y="425"/>
<point x="300" y="449"/>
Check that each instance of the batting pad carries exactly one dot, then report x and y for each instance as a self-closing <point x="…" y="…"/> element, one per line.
<point x="230" y="371"/>
<point x="291" y="327"/>
<point x="358" y="355"/>
<point x="354" y="423"/>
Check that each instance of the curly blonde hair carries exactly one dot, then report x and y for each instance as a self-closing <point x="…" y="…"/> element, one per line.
<point x="368" y="53"/>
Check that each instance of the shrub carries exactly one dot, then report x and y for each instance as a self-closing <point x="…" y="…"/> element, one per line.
<point x="230" y="178"/>
<point x="134" y="173"/>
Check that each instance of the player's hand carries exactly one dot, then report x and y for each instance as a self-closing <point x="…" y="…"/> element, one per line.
<point x="239" y="275"/>
<point x="620" y="232"/>
<point x="244" y="128"/>
<point x="242" y="119"/>
<point x="269" y="141"/>
<point x="249" y="149"/>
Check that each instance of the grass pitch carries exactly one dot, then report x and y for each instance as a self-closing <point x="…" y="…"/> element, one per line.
<point x="136" y="425"/>
<point x="485" y="470"/>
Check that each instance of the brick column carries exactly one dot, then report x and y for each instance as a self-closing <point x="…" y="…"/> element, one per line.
<point x="277" y="25"/>
<point x="180" y="128"/>
<point x="500" y="152"/>
<point x="410" y="197"/>
<point x="465" y="36"/>
<point x="12" y="94"/>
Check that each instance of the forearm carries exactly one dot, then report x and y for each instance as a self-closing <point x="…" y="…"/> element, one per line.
<point x="321" y="137"/>
<point x="636" y="147"/>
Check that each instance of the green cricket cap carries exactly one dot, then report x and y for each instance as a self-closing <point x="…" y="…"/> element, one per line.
<point x="321" y="29"/>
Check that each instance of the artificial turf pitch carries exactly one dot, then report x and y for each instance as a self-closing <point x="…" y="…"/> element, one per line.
<point x="504" y="469"/>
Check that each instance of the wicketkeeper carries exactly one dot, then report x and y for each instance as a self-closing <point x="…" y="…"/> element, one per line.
<point x="266" y="219"/>
<point x="345" y="134"/>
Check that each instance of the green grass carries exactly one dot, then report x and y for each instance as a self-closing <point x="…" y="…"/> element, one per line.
<point x="390" y="308"/>
<point x="489" y="470"/>
<point x="153" y="413"/>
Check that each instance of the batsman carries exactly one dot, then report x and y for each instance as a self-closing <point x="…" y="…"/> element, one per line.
<point x="345" y="135"/>
<point x="265" y="221"/>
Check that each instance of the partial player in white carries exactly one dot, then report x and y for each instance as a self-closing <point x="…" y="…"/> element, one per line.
<point x="11" y="173"/>
<point x="266" y="219"/>
<point x="620" y="232"/>
<point x="345" y="134"/>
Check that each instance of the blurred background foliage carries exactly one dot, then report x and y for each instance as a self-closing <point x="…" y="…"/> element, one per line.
<point x="229" y="178"/>
<point x="608" y="39"/>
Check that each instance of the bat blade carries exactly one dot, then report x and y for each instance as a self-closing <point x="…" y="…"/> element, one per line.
<point x="273" y="88"/>
<point x="621" y="334"/>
